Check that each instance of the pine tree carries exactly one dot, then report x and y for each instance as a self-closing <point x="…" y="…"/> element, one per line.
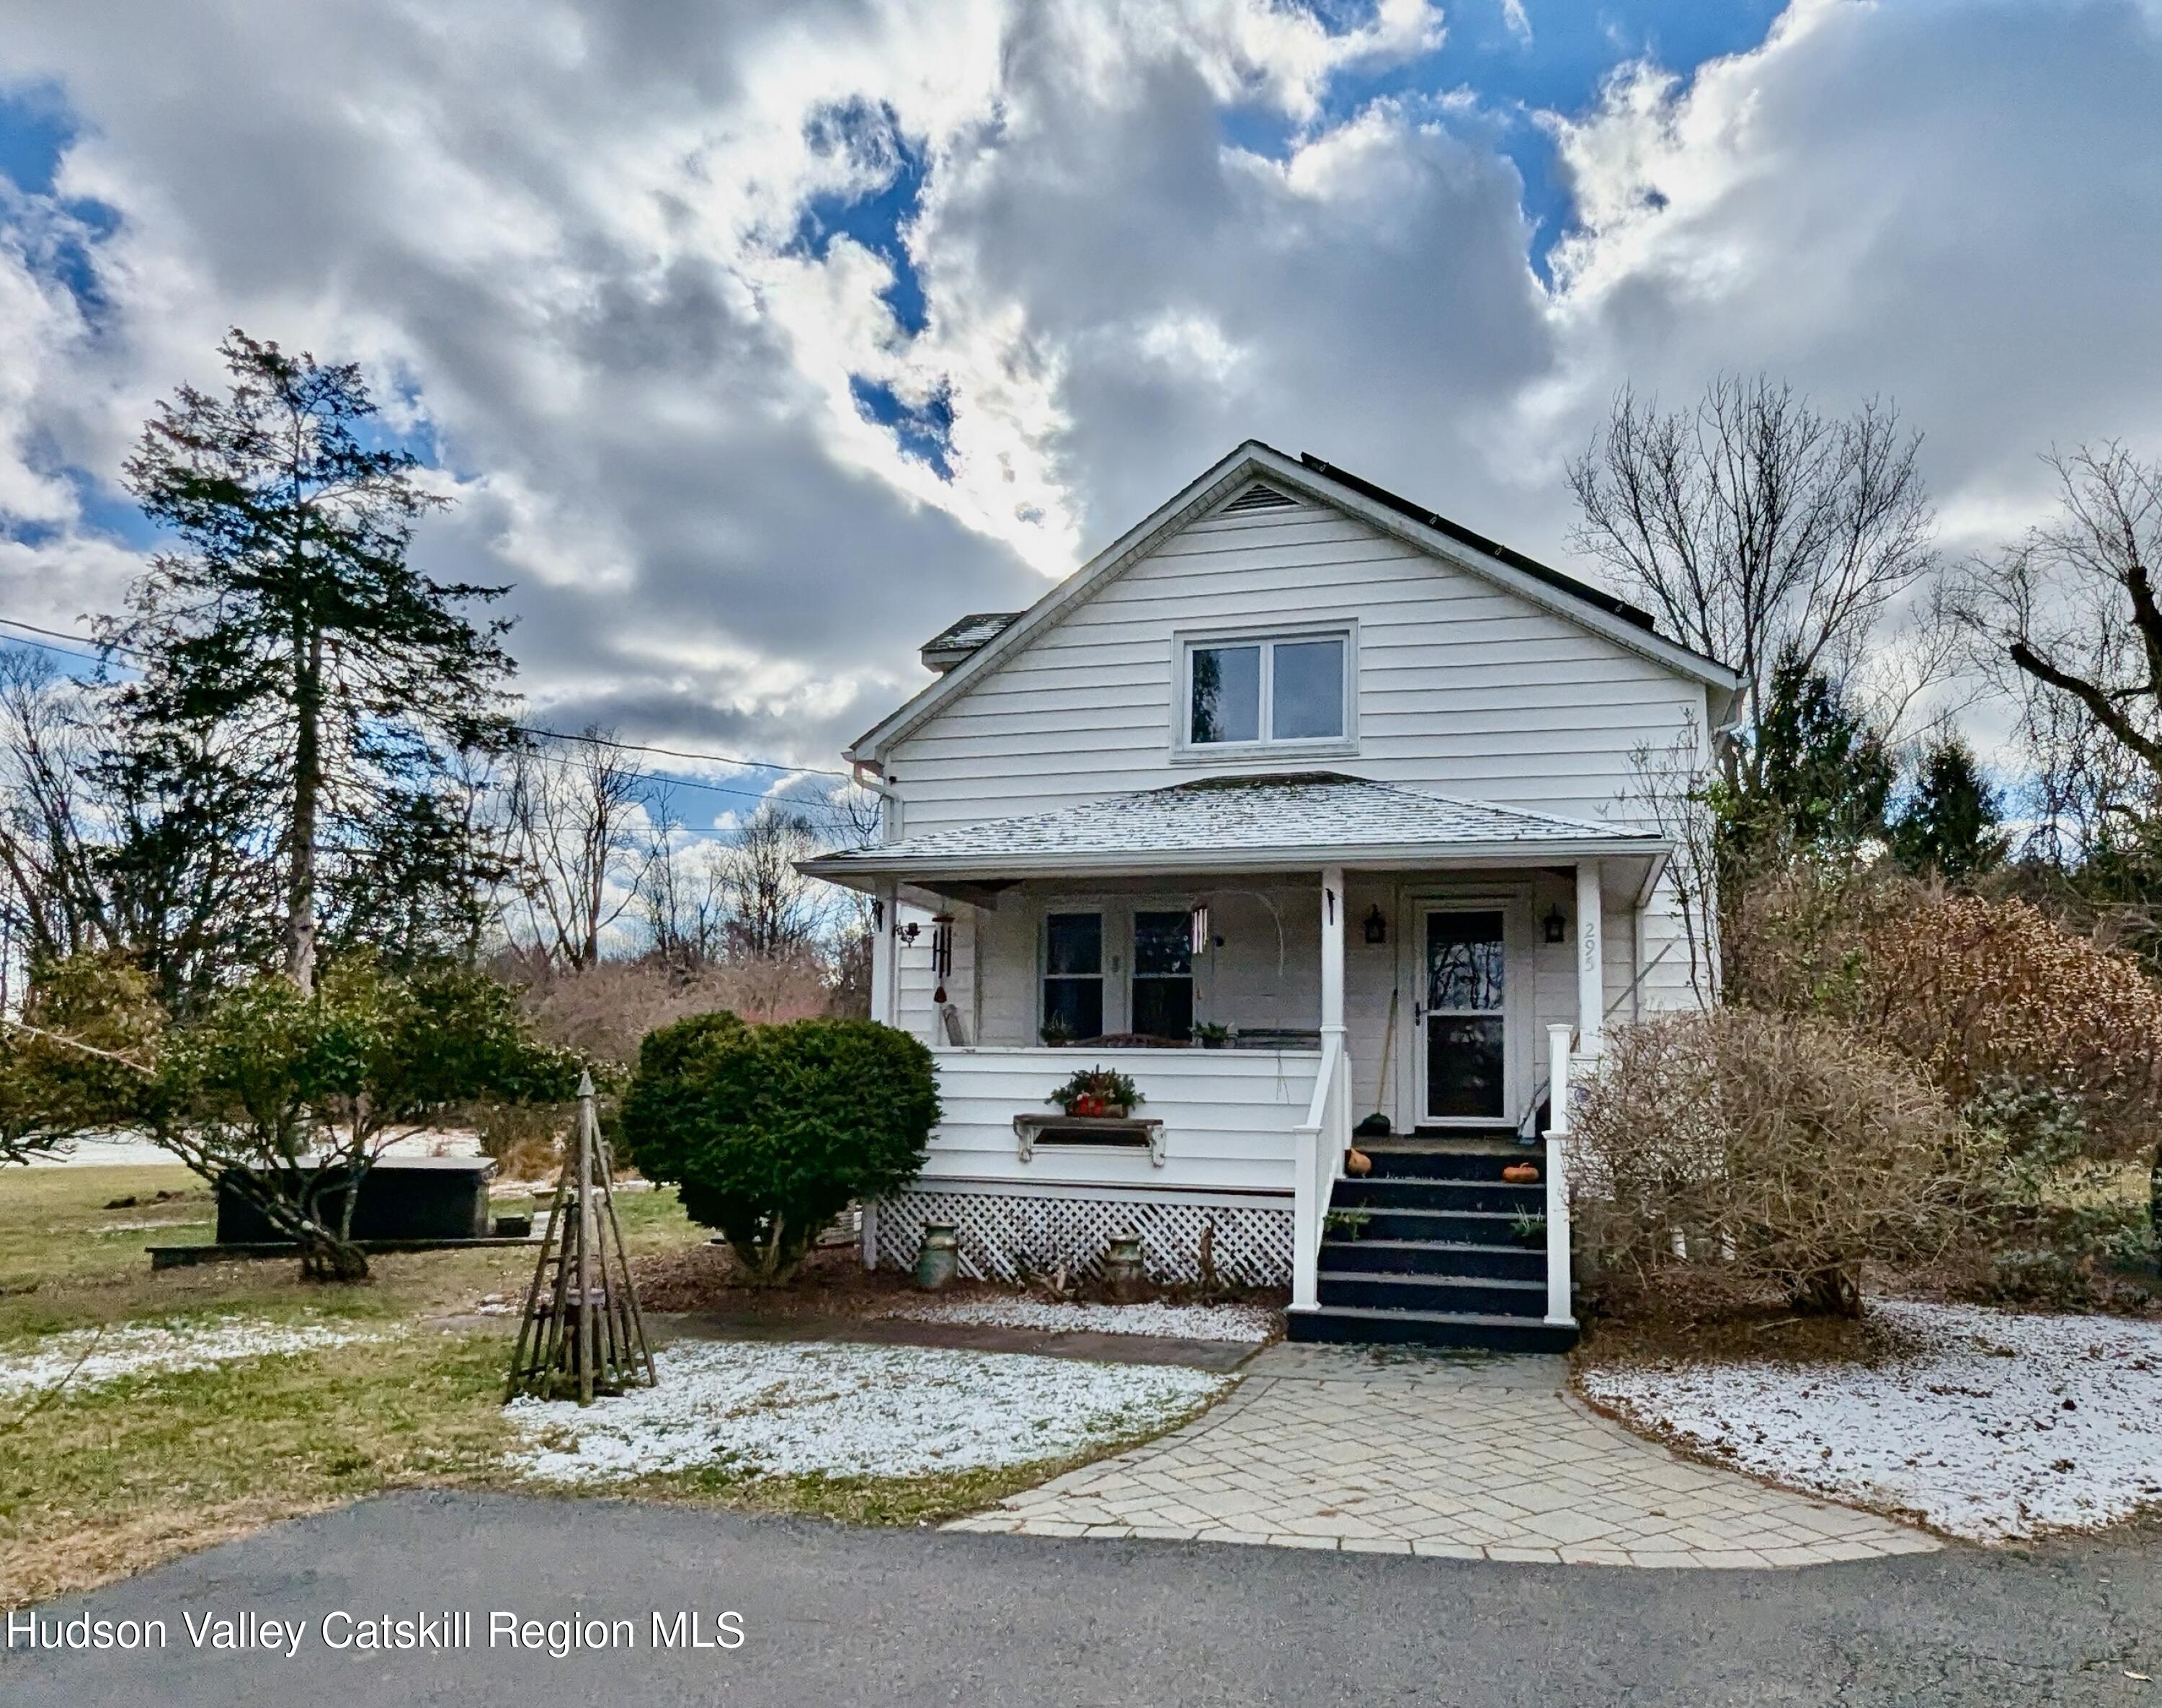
<point x="290" y="639"/>
<point x="1827" y="775"/>
<point x="1949" y="822"/>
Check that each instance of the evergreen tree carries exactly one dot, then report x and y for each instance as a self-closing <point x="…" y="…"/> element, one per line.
<point x="294" y="659"/>
<point x="1949" y="822"/>
<point x="1827" y="775"/>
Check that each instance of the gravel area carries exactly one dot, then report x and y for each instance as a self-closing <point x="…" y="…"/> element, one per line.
<point x="1994" y="1426"/>
<point x="792" y="1407"/>
<point x="1249" y="1323"/>
<point x="163" y="1348"/>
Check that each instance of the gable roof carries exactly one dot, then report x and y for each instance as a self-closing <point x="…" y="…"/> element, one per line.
<point x="1249" y="822"/>
<point x="1310" y="477"/>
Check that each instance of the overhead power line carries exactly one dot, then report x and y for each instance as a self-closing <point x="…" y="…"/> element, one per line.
<point x="770" y="765"/>
<point x="588" y="736"/>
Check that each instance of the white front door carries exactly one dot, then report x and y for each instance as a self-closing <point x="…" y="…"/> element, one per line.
<point x="1468" y="1009"/>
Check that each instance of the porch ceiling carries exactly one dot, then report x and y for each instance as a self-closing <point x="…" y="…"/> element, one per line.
<point x="1268" y="824"/>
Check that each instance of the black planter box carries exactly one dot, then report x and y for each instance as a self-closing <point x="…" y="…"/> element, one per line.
<point x="401" y="1198"/>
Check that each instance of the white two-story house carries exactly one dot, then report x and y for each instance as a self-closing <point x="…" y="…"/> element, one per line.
<point x="1313" y="813"/>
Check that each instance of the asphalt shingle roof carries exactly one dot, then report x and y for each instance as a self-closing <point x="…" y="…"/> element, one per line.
<point x="1247" y="814"/>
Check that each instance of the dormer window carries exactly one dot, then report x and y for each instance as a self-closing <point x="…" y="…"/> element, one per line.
<point x="1288" y="691"/>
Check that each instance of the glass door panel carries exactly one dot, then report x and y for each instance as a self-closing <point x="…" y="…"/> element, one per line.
<point x="1466" y="1045"/>
<point x="1163" y="974"/>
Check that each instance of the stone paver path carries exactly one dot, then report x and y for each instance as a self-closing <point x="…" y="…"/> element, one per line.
<point x="1348" y="1447"/>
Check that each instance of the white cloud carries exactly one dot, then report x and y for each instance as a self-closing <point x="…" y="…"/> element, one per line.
<point x="572" y="233"/>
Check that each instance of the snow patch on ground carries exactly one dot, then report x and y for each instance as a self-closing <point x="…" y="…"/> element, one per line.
<point x="1250" y="1322"/>
<point x="163" y="1349"/>
<point x="789" y="1408"/>
<point x="1997" y="1426"/>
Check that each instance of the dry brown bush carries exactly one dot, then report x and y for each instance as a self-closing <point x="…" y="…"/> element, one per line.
<point x="1777" y="1153"/>
<point x="1794" y="926"/>
<point x="1980" y="993"/>
<point x="604" y="1010"/>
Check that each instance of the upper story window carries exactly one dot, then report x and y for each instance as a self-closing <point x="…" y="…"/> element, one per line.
<point x="1288" y="690"/>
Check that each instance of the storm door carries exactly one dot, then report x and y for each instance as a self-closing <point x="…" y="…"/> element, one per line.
<point x="1462" y="1017"/>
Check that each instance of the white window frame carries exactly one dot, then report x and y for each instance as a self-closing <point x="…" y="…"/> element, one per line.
<point x="1187" y="751"/>
<point x="1110" y="932"/>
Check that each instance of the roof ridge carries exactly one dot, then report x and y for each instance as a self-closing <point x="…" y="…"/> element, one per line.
<point x="1604" y="826"/>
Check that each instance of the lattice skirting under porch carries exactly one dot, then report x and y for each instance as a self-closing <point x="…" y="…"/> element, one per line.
<point x="1008" y="1236"/>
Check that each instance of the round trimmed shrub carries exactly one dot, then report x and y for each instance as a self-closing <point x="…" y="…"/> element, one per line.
<point x="769" y="1132"/>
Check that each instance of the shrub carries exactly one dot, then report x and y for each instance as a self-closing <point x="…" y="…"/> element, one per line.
<point x="290" y="1100"/>
<point x="80" y="1055"/>
<point x="1981" y="993"/>
<point x="770" y="1132"/>
<point x="1751" y="1152"/>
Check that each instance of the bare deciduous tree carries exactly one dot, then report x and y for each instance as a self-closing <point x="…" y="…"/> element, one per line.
<point x="773" y="908"/>
<point x="52" y="904"/>
<point x="1757" y="528"/>
<point x="1667" y="792"/>
<point x="2068" y="619"/>
<point x="579" y="843"/>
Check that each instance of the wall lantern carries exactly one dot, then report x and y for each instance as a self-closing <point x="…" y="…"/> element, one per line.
<point x="1197" y="938"/>
<point x="1556" y="925"/>
<point x="1377" y="929"/>
<point x="909" y="933"/>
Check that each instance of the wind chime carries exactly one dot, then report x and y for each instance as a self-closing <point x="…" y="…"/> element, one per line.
<point x="581" y="1333"/>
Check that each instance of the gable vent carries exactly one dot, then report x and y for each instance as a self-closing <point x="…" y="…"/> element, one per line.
<point x="1258" y="497"/>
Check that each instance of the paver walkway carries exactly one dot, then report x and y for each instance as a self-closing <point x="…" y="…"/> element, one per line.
<point x="1346" y="1448"/>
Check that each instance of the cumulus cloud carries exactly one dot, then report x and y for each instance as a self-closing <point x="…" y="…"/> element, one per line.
<point x="757" y="343"/>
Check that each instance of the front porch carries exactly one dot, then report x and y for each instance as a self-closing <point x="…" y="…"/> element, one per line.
<point x="1437" y="987"/>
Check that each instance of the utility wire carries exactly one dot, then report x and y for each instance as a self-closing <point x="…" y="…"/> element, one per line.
<point x="596" y="740"/>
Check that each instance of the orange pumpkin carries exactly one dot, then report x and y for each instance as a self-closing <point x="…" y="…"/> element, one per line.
<point x="1521" y="1174"/>
<point x="1357" y="1161"/>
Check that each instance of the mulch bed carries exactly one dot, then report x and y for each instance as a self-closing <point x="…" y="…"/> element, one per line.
<point x="832" y="1284"/>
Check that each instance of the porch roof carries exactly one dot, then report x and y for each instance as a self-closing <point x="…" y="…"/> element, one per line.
<point x="1265" y="822"/>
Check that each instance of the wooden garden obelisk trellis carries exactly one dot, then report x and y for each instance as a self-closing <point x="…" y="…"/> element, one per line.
<point x="581" y="1333"/>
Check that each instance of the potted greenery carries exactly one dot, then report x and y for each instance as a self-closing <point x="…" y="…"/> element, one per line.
<point x="1055" y="1031"/>
<point x="1097" y="1091"/>
<point x="1210" y="1036"/>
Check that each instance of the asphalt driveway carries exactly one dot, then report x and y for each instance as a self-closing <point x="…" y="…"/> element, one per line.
<point x="831" y="1615"/>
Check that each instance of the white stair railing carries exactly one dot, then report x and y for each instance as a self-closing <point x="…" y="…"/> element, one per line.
<point x="1321" y="1140"/>
<point x="1560" y="1312"/>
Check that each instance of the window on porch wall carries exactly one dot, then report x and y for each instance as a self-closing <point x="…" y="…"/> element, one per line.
<point x="1073" y="974"/>
<point x="1163" y="974"/>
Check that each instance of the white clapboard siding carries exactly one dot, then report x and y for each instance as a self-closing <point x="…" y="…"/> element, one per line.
<point x="1228" y="1117"/>
<point x="1464" y="688"/>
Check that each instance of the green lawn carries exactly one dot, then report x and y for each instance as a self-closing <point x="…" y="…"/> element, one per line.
<point x="113" y="1475"/>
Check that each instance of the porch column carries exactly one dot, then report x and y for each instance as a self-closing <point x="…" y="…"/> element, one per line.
<point x="884" y="963"/>
<point x="1590" y="960"/>
<point x="884" y="958"/>
<point x="1332" y="952"/>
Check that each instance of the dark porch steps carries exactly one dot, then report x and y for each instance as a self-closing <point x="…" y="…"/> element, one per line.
<point x="1356" y="1326"/>
<point x="1446" y="1294"/>
<point x="1438" y="1261"/>
<point x="1381" y="1192"/>
<point x="1387" y="1256"/>
<point x="1399" y="1159"/>
<point x="1433" y="1226"/>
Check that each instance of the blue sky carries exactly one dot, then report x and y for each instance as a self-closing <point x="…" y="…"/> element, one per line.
<point x="1516" y="62"/>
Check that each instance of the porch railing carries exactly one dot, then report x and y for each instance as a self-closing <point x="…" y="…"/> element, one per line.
<point x="1562" y="1065"/>
<point x="1323" y="1138"/>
